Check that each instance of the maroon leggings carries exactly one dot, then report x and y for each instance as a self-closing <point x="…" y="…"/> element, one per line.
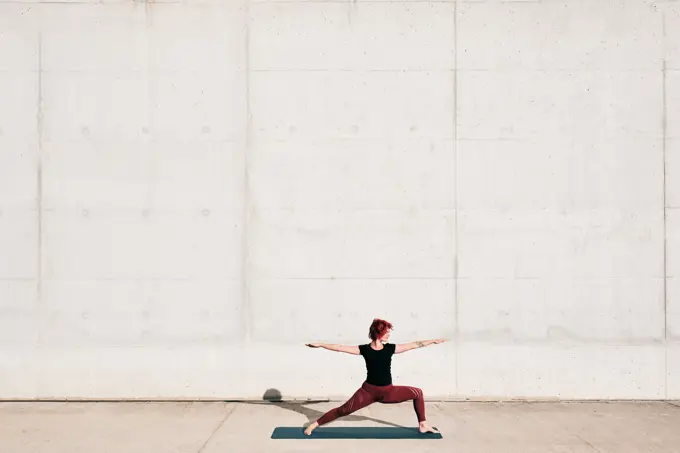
<point x="369" y="394"/>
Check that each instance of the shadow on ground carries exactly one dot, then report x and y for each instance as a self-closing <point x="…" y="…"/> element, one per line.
<point x="274" y="397"/>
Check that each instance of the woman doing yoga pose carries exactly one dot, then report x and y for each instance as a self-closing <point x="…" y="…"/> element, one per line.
<point x="377" y="387"/>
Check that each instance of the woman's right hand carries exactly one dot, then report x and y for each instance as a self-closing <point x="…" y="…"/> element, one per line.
<point x="313" y="345"/>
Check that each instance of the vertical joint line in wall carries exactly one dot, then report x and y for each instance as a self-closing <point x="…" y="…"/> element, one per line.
<point x="455" y="187"/>
<point x="149" y="150"/>
<point x="39" y="182"/>
<point x="665" y="208"/>
<point x="245" y="274"/>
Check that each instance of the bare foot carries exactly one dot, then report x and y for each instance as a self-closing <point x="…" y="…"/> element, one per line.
<point x="311" y="428"/>
<point x="425" y="428"/>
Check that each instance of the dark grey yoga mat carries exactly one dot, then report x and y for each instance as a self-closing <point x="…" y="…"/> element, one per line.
<point x="349" y="432"/>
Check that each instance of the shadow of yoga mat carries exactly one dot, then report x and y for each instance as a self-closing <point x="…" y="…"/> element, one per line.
<point x="349" y="432"/>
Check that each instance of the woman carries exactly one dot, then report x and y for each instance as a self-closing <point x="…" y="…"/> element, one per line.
<point x="378" y="385"/>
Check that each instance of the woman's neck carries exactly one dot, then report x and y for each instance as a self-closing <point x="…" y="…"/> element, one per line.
<point x="377" y="344"/>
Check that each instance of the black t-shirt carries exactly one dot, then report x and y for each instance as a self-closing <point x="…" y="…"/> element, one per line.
<point x="378" y="363"/>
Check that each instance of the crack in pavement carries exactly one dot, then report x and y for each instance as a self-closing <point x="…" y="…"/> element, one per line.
<point x="588" y="443"/>
<point x="233" y="408"/>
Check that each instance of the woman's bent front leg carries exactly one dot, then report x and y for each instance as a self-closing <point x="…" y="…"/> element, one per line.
<point x="399" y="394"/>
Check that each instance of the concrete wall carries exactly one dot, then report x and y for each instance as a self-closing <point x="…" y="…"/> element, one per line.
<point x="190" y="191"/>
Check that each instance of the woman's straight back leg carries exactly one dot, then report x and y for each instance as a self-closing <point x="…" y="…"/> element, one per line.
<point x="359" y="400"/>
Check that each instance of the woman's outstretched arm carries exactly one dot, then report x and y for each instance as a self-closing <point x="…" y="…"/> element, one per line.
<point x="416" y="344"/>
<point x="336" y="347"/>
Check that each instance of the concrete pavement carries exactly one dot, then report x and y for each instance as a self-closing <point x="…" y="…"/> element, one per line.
<point x="212" y="427"/>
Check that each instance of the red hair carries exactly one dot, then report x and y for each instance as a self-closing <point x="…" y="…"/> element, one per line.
<point x="378" y="328"/>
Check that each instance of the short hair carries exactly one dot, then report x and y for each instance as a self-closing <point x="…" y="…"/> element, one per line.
<point x="378" y="328"/>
